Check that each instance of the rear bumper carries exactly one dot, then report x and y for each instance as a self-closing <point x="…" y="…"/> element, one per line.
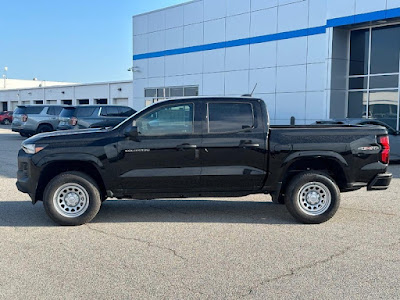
<point x="380" y="182"/>
<point x="23" y="130"/>
<point x="64" y="127"/>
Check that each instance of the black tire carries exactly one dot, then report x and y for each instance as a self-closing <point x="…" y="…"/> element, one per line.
<point x="6" y="122"/>
<point x="44" y="128"/>
<point x="23" y="134"/>
<point x="61" y="194"/>
<point x="312" y="197"/>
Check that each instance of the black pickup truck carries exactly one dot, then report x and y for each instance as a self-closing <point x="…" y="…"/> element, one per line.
<point x="200" y="147"/>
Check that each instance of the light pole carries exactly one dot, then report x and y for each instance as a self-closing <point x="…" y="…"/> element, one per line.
<point x="5" y="76"/>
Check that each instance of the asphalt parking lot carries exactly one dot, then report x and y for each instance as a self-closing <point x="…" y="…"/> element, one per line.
<point x="198" y="249"/>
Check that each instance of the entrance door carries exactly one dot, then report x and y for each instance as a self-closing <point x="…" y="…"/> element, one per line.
<point x="5" y="106"/>
<point x="374" y="80"/>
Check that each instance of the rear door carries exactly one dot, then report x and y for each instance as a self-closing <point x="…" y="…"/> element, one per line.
<point x="233" y="150"/>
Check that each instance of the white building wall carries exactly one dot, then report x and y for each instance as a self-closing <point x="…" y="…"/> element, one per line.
<point x="7" y="84"/>
<point x="115" y="93"/>
<point x="298" y="73"/>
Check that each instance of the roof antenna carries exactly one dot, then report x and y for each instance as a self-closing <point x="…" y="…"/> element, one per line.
<point x="250" y="95"/>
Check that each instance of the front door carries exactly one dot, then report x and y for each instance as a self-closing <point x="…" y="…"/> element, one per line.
<point x="164" y="157"/>
<point x="234" y="147"/>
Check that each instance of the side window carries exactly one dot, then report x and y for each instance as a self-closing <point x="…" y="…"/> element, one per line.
<point x="109" y="111"/>
<point x="167" y="120"/>
<point x="84" y="111"/>
<point x="125" y="111"/>
<point x="229" y="117"/>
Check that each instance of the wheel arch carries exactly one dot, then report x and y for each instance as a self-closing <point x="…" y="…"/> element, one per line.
<point x="45" y="124"/>
<point x="52" y="169"/>
<point x="330" y="165"/>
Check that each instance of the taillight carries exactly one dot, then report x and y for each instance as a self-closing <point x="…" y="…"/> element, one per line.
<point x="73" y="121"/>
<point x="24" y="118"/>
<point x="384" y="141"/>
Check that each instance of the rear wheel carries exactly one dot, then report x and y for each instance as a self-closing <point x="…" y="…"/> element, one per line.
<point x="23" y="134"/>
<point x="72" y="198"/>
<point x="44" y="128"/>
<point x="6" y="122"/>
<point x="312" y="197"/>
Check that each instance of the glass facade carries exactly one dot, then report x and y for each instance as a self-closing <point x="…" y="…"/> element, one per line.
<point x="374" y="74"/>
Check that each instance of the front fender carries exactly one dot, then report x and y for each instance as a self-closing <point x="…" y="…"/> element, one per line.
<point x="69" y="157"/>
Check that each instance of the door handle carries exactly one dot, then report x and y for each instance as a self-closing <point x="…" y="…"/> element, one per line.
<point x="248" y="144"/>
<point x="186" y="146"/>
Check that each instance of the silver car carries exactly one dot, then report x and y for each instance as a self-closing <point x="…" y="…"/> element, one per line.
<point x="394" y="136"/>
<point x="32" y="119"/>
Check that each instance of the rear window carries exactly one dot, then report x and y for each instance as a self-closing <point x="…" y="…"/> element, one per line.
<point x="67" y="112"/>
<point x="82" y="112"/>
<point x="2" y="113"/>
<point x="54" y="110"/>
<point x="20" y="110"/>
<point x="229" y="117"/>
<point x="33" y="110"/>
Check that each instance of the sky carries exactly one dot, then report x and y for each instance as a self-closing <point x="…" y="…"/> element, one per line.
<point x="70" y="40"/>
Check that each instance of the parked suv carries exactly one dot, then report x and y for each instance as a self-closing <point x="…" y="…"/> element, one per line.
<point x="6" y="117"/>
<point x="31" y="119"/>
<point x="93" y="116"/>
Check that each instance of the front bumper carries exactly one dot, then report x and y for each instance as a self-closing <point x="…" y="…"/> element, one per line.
<point x="380" y="182"/>
<point x="26" y="175"/>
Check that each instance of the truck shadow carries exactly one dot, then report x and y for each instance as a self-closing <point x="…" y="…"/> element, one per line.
<point x="23" y="214"/>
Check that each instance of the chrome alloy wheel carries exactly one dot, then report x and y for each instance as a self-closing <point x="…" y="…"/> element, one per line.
<point x="71" y="200"/>
<point x="314" y="198"/>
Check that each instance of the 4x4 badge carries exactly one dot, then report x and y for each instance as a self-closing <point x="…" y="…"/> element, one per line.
<point x="136" y="150"/>
<point x="369" y="148"/>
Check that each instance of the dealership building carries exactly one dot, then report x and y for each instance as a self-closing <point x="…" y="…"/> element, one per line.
<point x="311" y="59"/>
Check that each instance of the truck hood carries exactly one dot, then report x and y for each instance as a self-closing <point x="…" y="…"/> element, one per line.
<point x="67" y="133"/>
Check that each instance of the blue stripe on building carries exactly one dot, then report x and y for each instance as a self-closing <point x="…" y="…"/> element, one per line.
<point x="349" y="20"/>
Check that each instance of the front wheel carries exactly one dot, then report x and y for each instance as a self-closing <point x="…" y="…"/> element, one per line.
<point x="72" y="198"/>
<point x="6" y="122"/>
<point x="312" y="197"/>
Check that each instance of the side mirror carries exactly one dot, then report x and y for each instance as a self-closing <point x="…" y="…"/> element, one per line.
<point x="132" y="133"/>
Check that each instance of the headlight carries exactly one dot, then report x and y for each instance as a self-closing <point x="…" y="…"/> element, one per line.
<point x="31" y="148"/>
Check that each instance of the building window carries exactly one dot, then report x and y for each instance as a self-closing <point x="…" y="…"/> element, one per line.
<point x="374" y="74"/>
<point x="154" y="95"/>
<point x="83" y="101"/>
<point x="100" y="101"/>
<point x="38" y="101"/>
<point x="66" y="102"/>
